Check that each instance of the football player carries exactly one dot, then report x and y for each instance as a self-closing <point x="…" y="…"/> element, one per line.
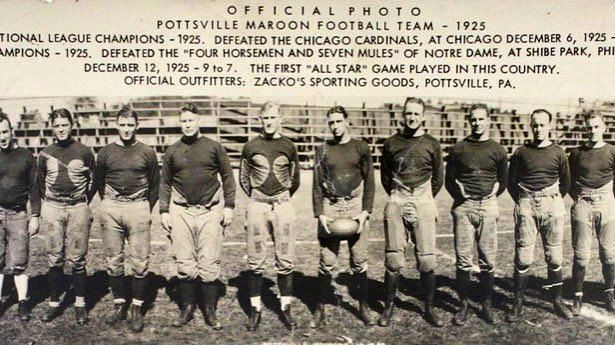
<point x="128" y="180"/>
<point x="195" y="209"/>
<point x="476" y="174"/>
<point x="538" y="178"/>
<point x="412" y="173"/>
<point x="18" y="185"/>
<point x="343" y="188"/>
<point x="593" y="213"/>
<point x="269" y="175"/>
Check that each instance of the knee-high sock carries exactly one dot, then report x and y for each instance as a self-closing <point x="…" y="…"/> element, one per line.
<point x="55" y="276"/>
<point x="21" y="284"/>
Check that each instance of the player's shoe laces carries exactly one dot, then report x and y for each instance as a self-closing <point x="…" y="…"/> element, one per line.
<point x="320" y="319"/>
<point x="185" y="316"/>
<point x="24" y="311"/>
<point x="364" y="314"/>
<point x="461" y="316"/>
<point x="120" y="310"/>
<point x="210" y="317"/>
<point x="516" y="311"/>
<point x="136" y="318"/>
<point x="432" y="317"/>
<point x="255" y="319"/>
<point x="287" y="318"/>
<point x="81" y="315"/>
<point x="387" y="314"/>
<point x="561" y="309"/>
<point x="577" y="305"/>
<point x="487" y="313"/>
<point x="51" y="314"/>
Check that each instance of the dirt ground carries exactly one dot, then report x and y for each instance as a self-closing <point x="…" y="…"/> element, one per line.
<point x="540" y="325"/>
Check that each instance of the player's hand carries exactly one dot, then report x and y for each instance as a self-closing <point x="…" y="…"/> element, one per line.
<point x="227" y="218"/>
<point x="33" y="226"/>
<point x="361" y="218"/>
<point x="494" y="191"/>
<point x="323" y="221"/>
<point x="461" y="189"/>
<point x="165" y="220"/>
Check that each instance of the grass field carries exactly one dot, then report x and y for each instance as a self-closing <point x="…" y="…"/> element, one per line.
<point x="540" y="325"/>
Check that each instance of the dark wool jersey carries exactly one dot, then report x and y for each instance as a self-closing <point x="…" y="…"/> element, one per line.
<point x="477" y="165"/>
<point x="128" y="171"/>
<point x="341" y="168"/>
<point x="411" y="161"/>
<point x="591" y="167"/>
<point x="270" y="166"/>
<point x="538" y="167"/>
<point x="191" y="167"/>
<point x="18" y="181"/>
<point x="66" y="172"/>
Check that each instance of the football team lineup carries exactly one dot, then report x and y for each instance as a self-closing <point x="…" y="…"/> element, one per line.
<point x="196" y="196"/>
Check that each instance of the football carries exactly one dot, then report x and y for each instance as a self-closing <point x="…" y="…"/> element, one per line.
<point x="343" y="227"/>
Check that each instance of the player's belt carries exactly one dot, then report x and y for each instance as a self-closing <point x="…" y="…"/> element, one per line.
<point x="66" y="202"/>
<point x="552" y="190"/>
<point x="12" y="211"/>
<point x="595" y="194"/>
<point x="274" y="199"/>
<point x="336" y="199"/>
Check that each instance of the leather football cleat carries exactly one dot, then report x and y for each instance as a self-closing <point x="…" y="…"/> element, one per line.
<point x="51" y="314"/>
<point x="255" y="319"/>
<point x="432" y="317"/>
<point x="577" y="305"/>
<point x="81" y="315"/>
<point x="561" y="309"/>
<point x="364" y="315"/>
<point x="287" y="318"/>
<point x="120" y="310"/>
<point x="136" y="318"/>
<point x="24" y="311"/>
<point x="185" y="316"/>
<point x="516" y="311"/>
<point x="387" y="314"/>
<point x="487" y="314"/>
<point x="320" y="319"/>
<point x="461" y="316"/>
<point x="210" y="318"/>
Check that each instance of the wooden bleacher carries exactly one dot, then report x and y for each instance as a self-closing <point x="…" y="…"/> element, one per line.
<point x="233" y="122"/>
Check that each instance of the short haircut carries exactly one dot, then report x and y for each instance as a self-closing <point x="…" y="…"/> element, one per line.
<point x="190" y="107"/>
<point x="127" y="113"/>
<point x="61" y="113"/>
<point x="337" y="109"/>
<point x="538" y="111"/>
<point x="268" y="107"/>
<point x="593" y="114"/>
<point x="413" y="100"/>
<point x="5" y="117"/>
<point x="478" y="106"/>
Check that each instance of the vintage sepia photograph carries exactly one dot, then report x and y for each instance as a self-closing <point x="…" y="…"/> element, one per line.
<point x="239" y="172"/>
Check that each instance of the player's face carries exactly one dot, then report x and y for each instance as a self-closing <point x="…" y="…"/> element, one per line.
<point x="271" y="122"/>
<point x="189" y="123"/>
<point x="541" y="126"/>
<point x="337" y="124"/>
<point x="595" y="129"/>
<point x="127" y="127"/>
<point x="413" y="116"/>
<point x="479" y="122"/>
<point x="6" y="136"/>
<point x="61" y="128"/>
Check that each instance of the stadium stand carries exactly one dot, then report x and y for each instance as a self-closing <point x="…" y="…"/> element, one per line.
<point x="234" y="121"/>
